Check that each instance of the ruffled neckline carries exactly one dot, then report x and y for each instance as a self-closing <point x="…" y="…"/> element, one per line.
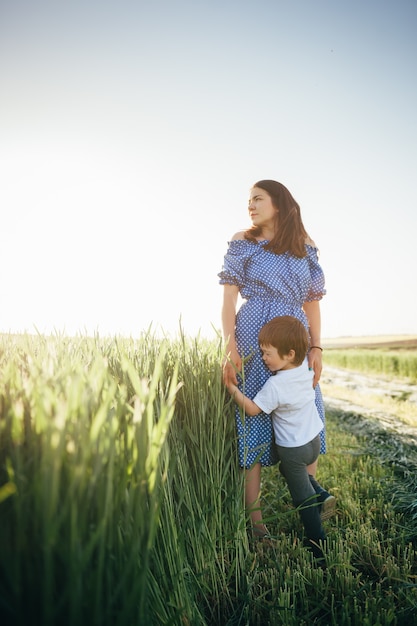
<point x="246" y="241"/>
<point x="262" y="242"/>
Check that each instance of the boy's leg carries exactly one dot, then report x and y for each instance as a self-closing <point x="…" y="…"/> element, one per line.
<point x="312" y="468"/>
<point x="328" y="502"/>
<point x="294" y="462"/>
<point x="310" y="516"/>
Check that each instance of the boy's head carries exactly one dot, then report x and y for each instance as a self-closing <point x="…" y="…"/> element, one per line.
<point x="288" y="335"/>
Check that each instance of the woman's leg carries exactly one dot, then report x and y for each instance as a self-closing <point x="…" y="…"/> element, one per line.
<point x="312" y="468"/>
<point x="253" y="500"/>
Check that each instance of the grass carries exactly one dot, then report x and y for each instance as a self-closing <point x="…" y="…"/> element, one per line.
<point x="391" y="359"/>
<point x="393" y="362"/>
<point x="121" y="502"/>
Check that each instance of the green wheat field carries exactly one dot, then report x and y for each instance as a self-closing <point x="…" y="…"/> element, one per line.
<point x="121" y="502"/>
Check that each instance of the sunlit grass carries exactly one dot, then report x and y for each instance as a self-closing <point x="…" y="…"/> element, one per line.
<point x="388" y="362"/>
<point x="121" y="501"/>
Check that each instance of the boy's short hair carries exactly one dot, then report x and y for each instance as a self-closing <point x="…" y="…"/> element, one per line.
<point x="285" y="333"/>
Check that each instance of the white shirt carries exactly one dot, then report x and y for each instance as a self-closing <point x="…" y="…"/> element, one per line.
<point x="290" y="398"/>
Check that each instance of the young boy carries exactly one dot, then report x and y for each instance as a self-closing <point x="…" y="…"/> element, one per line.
<point x="290" y="399"/>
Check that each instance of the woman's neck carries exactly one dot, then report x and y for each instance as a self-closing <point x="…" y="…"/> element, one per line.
<point x="267" y="233"/>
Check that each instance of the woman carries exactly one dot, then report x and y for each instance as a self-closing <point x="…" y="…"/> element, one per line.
<point x="274" y="267"/>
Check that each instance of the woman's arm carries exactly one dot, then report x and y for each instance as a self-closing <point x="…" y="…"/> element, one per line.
<point x="232" y="362"/>
<point x="243" y="401"/>
<point x="312" y="311"/>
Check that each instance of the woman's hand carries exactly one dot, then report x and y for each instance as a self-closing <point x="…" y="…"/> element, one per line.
<point x="315" y="363"/>
<point x="231" y="365"/>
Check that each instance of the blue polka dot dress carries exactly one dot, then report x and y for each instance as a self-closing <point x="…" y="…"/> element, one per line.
<point x="271" y="285"/>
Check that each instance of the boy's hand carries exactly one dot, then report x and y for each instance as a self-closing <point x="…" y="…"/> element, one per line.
<point x="232" y="388"/>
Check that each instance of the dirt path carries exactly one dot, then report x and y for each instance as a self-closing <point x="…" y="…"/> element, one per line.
<point x="364" y="385"/>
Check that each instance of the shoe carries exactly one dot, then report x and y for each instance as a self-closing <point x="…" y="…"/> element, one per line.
<point x="327" y="507"/>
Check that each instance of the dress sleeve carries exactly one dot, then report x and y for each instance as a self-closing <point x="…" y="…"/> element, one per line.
<point x="317" y="290"/>
<point x="233" y="270"/>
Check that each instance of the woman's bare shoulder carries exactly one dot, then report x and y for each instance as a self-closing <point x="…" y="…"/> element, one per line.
<point x="239" y="235"/>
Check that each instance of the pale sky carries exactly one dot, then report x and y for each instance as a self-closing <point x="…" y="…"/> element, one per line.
<point x="132" y="131"/>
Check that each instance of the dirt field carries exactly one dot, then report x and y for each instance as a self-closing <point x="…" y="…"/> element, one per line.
<point x="406" y="342"/>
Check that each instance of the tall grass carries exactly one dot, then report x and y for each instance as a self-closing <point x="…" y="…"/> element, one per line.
<point x="84" y="454"/>
<point x="121" y="501"/>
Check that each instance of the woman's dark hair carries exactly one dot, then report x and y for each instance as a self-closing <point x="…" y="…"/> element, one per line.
<point x="285" y="333"/>
<point x="290" y="234"/>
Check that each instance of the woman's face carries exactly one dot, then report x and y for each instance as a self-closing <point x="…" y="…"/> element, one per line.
<point x="261" y="210"/>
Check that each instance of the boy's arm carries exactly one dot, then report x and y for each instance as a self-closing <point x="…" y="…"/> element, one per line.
<point x="243" y="401"/>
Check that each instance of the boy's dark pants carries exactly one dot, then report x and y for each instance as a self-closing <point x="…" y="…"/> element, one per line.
<point x="293" y="466"/>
